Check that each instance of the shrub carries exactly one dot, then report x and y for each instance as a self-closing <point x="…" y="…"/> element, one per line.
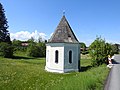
<point x="17" y="44"/>
<point x="99" y="50"/>
<point x="42" y="49"/>
<point x="6" y="50"/>
<point x="36" y="50"/>
<point x="115" y="48"/>
<point x="83" y="48"/>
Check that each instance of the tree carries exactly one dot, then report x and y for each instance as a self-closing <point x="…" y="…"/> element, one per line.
<point x="6" y="50"/>
<point x="83" y="48"/>
<point x="36" y="50"/>
<point x="4" y="34"/>
<point x="33" y="50"/>
<point x="16" y="44"/>
<point x="82" y="45"/>
<point x="31" y="40"/>
<point x="115" y="48"/>
<point x="99" y="50"/>
<point x="42" y="49"/>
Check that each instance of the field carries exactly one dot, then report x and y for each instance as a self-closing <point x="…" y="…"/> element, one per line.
<point x="25" y="73"/>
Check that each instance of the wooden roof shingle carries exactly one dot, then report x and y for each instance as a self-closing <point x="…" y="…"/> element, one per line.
<point x="63" y="33"/>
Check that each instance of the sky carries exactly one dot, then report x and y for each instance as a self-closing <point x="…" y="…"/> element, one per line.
<point x="87" y="18"/>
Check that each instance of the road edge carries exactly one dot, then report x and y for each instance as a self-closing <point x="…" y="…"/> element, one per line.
<point x="108" y="79"/>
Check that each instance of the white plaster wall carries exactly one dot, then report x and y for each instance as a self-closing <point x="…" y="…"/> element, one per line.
<point x="50" y="57"/>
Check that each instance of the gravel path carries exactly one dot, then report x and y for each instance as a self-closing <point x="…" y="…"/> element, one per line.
<point x="113" y="81"/>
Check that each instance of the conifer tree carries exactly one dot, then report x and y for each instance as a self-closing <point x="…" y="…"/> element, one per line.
<point x="6" y="49"/>
<point x="4" y="34"/>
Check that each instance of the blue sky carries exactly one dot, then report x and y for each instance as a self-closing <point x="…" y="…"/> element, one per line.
<point x="88" y="18"/>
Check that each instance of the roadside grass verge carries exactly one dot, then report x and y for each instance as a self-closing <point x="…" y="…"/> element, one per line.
<point x="29" y="74"/>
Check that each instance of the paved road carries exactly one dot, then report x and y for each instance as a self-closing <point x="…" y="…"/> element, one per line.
<point x="113" y="81"/>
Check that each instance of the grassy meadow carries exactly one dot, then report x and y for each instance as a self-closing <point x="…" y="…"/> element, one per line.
<point x="26" y="73"/>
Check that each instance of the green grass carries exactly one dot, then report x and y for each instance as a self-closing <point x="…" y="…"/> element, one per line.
<point x="28" y="73"/>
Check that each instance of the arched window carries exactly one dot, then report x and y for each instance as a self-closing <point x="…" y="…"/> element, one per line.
<point x="70" y="56"/>
<point x="56" y="56"/>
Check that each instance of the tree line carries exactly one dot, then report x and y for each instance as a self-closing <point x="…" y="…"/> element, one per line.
<point x="31" y="47"/>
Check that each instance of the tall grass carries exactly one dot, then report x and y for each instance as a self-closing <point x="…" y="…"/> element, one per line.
<point x="29" y="74"/>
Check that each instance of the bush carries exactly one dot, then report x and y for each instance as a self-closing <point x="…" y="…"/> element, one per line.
<point x="99" y="50"/>
<point x="6" y="50"/>
<point x="83" y="48"/>
<point x="42" y="49"/>
<point x="33" y="51"/>
<point x="17" y="44"/>
<point x="36" y="50"/>
<point x="115" y="48"/>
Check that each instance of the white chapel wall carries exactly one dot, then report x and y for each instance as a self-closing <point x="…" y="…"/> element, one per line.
<point x="50" y="58"/>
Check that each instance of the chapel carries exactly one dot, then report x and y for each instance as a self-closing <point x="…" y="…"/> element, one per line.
<point x="63" y="49"/>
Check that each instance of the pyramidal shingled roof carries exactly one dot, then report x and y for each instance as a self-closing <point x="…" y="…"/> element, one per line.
<point x="63" y="33"/>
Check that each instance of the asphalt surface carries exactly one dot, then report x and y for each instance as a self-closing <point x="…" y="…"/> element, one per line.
<point x="113" y="80"/>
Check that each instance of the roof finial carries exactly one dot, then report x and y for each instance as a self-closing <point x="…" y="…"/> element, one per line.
<point x="63" y="12"/>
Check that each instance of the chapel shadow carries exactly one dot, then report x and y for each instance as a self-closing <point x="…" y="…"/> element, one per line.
<point x="85" y="68"/>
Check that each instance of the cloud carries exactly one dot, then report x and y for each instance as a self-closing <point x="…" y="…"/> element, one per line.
<point x="25" y="35"/>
